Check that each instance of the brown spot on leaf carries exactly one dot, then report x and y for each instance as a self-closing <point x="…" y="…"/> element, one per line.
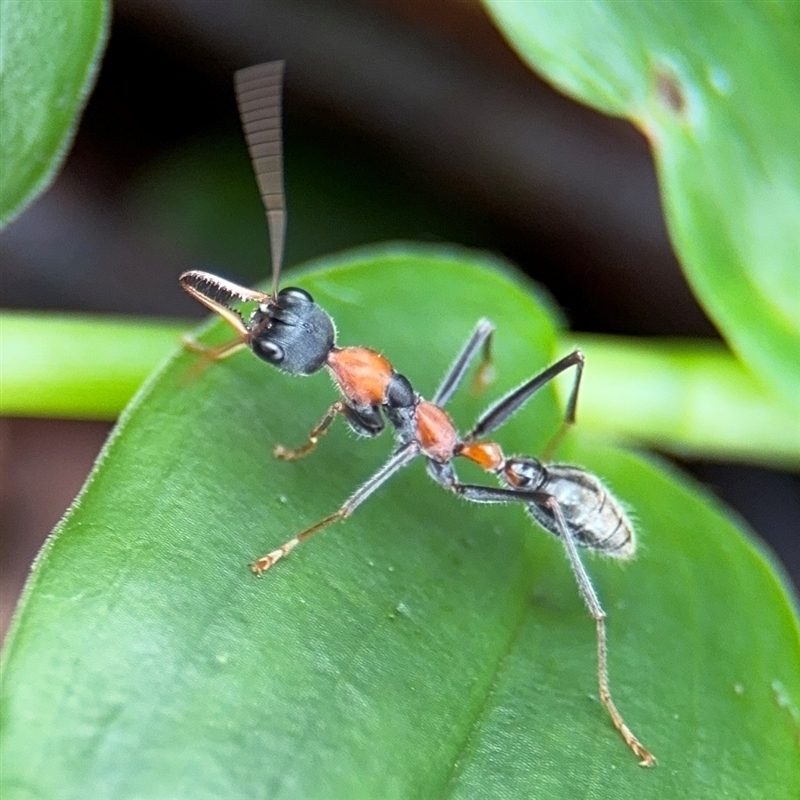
<point x="669" y="91"/>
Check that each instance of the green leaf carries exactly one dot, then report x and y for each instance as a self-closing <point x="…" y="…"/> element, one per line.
<point x="714" y="88"/>
<point x="49" y="54"/>
<point x="426" y="647"/>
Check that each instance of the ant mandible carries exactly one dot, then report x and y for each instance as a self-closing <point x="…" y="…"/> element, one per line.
<point x="290" y="331"/>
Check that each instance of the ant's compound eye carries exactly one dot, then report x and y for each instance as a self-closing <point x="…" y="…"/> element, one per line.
<point x="293" y="293"/>
<point x="268" y="350"/>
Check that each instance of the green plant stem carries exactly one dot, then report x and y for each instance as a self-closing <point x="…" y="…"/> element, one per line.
<point x="77" y="366"/>
<point x="690" y="398"/>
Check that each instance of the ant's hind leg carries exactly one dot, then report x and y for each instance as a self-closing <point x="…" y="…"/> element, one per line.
<point x="445" y="475"/>
<point x="481" y="339"/>
<point x="499" y="413"/>
<point x="646" y="758"/>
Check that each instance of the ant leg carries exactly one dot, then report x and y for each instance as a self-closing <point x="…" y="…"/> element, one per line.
<point x="399" y="459"/>
<point x="481" y="338"/>
<point x="208" y="355"/>
<point x="572" y="403"/>
<point x="647" y="759"/>
<point x="319" y="430"/>
<point x="365" y="421"/>
<point x="445" y="475"/>
<point x="497" y="415"/>
<point x="213" y="353"/>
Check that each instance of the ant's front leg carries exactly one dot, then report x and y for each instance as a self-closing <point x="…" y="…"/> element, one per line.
<point x="209" y="355"/>
<point x="319" y="430"/>
<point x="365" y="422"/>
<point x="213" y="353"/>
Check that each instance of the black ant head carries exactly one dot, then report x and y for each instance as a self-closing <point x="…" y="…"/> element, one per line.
<point x="292" y="332"/>
<point x="289" y="330"/>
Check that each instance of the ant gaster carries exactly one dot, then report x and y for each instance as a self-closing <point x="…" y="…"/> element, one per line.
<point x="291" y="332"/>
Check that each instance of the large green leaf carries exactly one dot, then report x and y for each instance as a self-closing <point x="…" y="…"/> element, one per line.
<point x="714" y="87"/>
<point x="49" y="52"/>
<point x="426" y="648"/>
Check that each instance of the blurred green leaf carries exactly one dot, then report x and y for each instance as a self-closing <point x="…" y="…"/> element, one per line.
<point x="714" y="88"/>
<point x="425" y="648"/>
<point x="49" y="54"/>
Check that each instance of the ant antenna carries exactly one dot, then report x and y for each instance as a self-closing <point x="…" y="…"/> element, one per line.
<point x="258" y="96"/>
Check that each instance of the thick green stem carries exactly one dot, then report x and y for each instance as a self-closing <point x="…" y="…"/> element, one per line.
<point x="690" y="398"/>
<point x="77" y="366"/>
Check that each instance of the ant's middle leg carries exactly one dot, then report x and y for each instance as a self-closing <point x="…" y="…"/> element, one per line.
<point x="319" y="430"/>
<point x="399" y="459"/>
<point x="499" y="413"/>
<point x="364" y="421"/>
<point x="481" y="339"/>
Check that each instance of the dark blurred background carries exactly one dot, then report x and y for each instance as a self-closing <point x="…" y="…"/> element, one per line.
<point x="404" y="119"/>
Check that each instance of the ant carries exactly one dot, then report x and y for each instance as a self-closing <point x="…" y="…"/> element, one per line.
<point x="290" y="331"/>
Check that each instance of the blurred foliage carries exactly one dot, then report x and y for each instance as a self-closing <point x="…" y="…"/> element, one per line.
<point x="49" y="54"/>
<point x="714" y="88"/>
<point x="202" y="194"/>
<point x="77" y="366"/>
